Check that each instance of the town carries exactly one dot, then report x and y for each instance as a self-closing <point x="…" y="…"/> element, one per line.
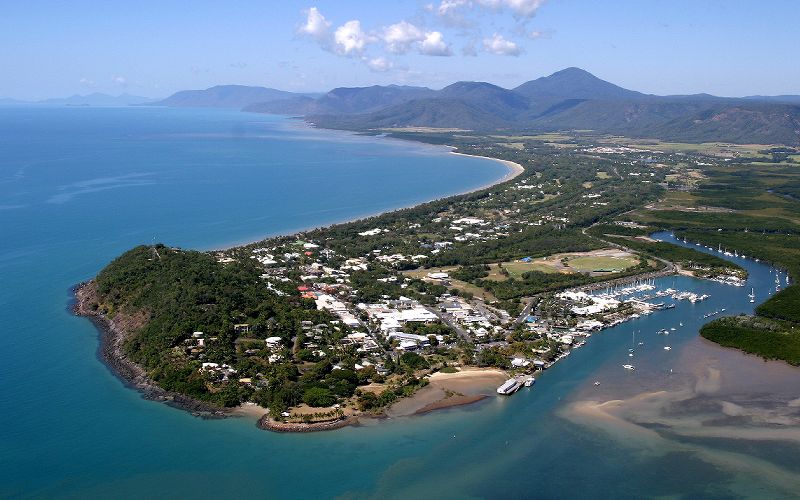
<point x="513" y="277"/>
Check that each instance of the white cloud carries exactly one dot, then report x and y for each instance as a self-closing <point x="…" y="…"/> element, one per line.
<point x="86" y="81"/>
<point x="524" y="8"/>
<point x="536" y="35"/>
<point x="120" y="80"/>
<point x="316" y="26"/>
<point x="434" y="45"/>
<point x="520" y="8"/>
<point x="400" y="36"/>
<point x="349" y="38"/>
<point x="379" y="64"/>
<point x="500" y="46"/>
<point x="448" y="7"/>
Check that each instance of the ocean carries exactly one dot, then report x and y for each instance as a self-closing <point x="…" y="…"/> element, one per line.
<point x="78" y="186"/>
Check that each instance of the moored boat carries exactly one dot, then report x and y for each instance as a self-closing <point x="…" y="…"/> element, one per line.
<point x="510" y="386"/>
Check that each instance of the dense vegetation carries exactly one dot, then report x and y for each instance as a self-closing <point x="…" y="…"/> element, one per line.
<point x="766" y="338"/>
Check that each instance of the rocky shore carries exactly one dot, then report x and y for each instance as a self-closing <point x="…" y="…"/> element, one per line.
<point x="112" y="336"/>
<point x="445" y="391"/>
<point x="268" y="423"/>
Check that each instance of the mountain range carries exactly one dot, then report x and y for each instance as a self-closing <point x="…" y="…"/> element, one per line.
<point x="228" y="96"/>
<point x="570" y="99"/>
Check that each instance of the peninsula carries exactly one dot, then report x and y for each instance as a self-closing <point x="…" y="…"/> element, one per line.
<point x="322" y="327"/>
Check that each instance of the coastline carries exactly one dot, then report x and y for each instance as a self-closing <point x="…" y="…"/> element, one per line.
<point x="448" y="390"/>
<point x="514" y="170"/>
<point x="112" y="333"/>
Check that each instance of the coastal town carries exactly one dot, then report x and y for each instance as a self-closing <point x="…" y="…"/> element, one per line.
<point x="500" y="283"/>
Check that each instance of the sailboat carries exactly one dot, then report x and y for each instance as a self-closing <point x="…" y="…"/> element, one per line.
<point x="752" y="295"/>
<point x="633" y="342"/>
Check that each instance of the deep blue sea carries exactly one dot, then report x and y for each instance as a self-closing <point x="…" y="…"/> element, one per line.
<point x="78" y="186"/>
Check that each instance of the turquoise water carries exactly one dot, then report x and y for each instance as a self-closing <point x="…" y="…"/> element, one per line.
<point x="79" y="186"/>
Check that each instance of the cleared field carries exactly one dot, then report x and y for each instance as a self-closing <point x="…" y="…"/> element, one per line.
<point x="538" y="137"/>
<point x="721" y="149"/>
<point x="567" y="263"/>
<point x="602" y="263"/>
<point x="603" y="175"/>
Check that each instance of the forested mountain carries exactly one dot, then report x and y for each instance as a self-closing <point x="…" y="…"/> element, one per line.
<point x="225" y="96"/>
<point x="570" y="99"/>
<point x="346" y="100"/>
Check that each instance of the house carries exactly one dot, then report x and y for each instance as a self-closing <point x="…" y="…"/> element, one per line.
<point x="520" y="363"/>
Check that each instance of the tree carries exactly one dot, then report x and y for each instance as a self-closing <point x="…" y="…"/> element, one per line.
<point x="318" y="397"/>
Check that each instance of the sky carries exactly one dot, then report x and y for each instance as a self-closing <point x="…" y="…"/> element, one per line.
<point x="154" y="48"/>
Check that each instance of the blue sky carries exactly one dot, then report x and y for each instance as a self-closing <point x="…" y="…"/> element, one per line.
<point x="724" y="47"/>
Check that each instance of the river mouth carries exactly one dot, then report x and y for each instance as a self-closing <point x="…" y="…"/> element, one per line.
<point x="731" y="411"/>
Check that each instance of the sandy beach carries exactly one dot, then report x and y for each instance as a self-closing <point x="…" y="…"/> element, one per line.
<point x="447" y="390"/>
<point x="249" y="410"/>
<point x="514" y="169"/>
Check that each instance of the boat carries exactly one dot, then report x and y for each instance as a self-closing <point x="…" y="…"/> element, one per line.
<point x="752" y="295"/>
<point x="509" y="387"/>
<point x="667" y="348"/>
<point x="629" y="367"/>
<point x="529" y="381"/>
<point x="596" y="383"/>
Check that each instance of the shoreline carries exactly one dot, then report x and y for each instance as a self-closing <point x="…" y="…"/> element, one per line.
<point x="111" y="335"/>
<point x="514" y="170"/>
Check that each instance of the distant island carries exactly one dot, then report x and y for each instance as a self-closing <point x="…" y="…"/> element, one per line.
<point x="93" y="99"/>
<point x="318" y="329"/>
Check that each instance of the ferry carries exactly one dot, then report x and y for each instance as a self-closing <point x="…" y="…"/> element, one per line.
<point x="530" y="381"/>
<point x="509" y="387"/>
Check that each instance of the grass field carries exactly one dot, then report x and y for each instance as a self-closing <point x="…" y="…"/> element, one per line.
<point x="517" y="269"/>
<point x="586" y="264"/>
<point x="603" y="175"/>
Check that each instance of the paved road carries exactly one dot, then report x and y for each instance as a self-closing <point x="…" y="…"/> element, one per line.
<point x="450" y="321"/>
